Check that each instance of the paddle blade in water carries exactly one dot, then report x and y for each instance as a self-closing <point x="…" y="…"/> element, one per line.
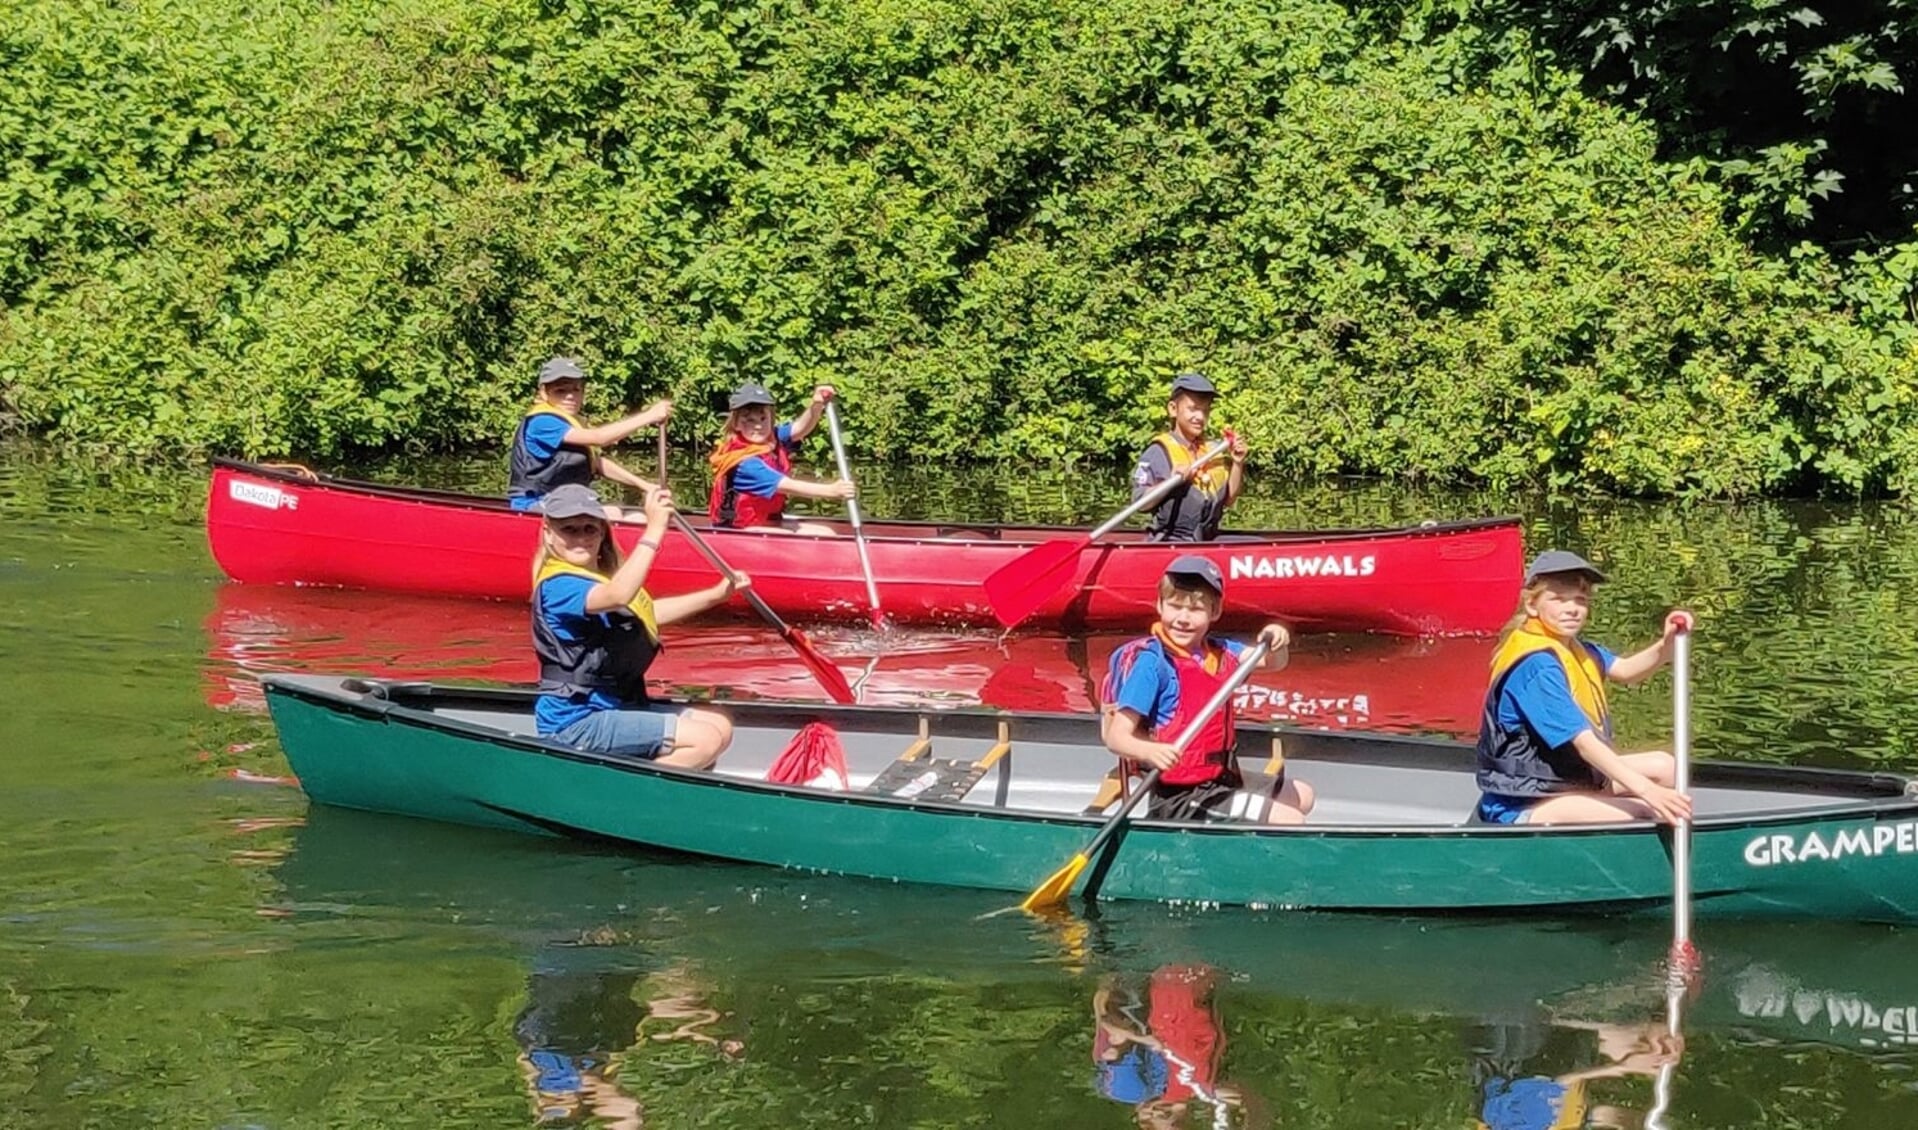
<point x="1054" y="890"/>
<point x="1017" y="588"/>
<point x="823" y="669"/>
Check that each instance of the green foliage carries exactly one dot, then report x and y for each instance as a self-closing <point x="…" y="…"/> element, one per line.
<point x="315" y="229"/>
<point x="1801" y="104"/>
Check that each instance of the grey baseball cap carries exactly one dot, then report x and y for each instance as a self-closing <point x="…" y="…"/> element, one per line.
<point x="561" y="369"/>
<point x="749" y="394"/>
<point x="1194" y="383"/>
<point x="1562" y="561"/>
<point x="572" y="500"/>
<point x="1198" y="568"/>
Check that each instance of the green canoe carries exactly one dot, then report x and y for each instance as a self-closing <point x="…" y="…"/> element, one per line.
<point x="1390" y="832"/>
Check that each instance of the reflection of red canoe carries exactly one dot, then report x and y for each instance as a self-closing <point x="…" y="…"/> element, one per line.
<point x="1339" y="682"/>
<point x="274" y="527"/>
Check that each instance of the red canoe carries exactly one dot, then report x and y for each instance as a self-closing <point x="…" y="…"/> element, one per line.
<point x="272" y="526"/>
<point x="1364" y="682"/>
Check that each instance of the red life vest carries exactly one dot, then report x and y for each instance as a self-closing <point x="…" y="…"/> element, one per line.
<point x="728" y="507"/>
<point x="1187" y="1030"/>
<point x="1209" y="753"/>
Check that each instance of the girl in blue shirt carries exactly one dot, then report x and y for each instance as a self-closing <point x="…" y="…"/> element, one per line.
<point x="596" y="630"/>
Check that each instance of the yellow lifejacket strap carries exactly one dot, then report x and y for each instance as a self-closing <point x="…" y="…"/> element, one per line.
<point x="541" y="408"/>
<point x="641" y="606"/>
<point x="1582" y="672"/>
<point x="1211" y="480"/>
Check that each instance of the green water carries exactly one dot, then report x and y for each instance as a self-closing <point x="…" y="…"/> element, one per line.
<point x="181" y="946"/>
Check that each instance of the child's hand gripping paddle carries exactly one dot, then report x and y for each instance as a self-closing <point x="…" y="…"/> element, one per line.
<point x="1058" y="885"/>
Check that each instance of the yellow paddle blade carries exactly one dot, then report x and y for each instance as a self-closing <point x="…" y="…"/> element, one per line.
<point x="1054" y="890"/>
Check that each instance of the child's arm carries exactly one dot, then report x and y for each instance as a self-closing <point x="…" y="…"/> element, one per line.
<point x="605" y="435"/>
<point x="1119" y="729"/>
<point x="618" y="590"/>
<point x="805" y="488"/>
<point x="1669" y="805"/>
<point x="673" y="609"/>
<point x="621" y="475"/>
<point x="1235" y="481"/>
<point x="1635" y="668"/>
<point x="803" y="425"/>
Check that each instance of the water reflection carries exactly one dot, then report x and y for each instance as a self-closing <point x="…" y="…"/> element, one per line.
<point x="645" y="982"/>
<point x="1540" y="1074"/>
<point x="1337" y="682"/>
<point x="1157" y="1047"/>
<point x="589" y="1003"/>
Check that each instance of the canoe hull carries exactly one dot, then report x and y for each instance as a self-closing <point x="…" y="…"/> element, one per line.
<point x="267" y="526"/>
<point x="375" y="755"/>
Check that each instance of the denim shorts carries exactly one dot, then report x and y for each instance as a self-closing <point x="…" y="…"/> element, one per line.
<point x="1496" y="809"/>
<point x="644" y="732"/>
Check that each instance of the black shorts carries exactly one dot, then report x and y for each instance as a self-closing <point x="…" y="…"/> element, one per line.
<point x="1227" y="798"/>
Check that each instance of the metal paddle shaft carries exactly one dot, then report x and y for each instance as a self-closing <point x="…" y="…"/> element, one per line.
<point x="1682" y="781"/>
<point x="1057" y="886"/>
<point x="1683" y="961"/>
<point x="1157" y="494"/>
<point x="1017" y="588"/>
<point x="852" y="512"/>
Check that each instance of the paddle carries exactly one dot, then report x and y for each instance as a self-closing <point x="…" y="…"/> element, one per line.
<point x="1017" y="588"/>
<point x="829" y="676"/>
<point x="852" y="511"/>
<point x="1684" y="961"/>
<point x="1683" y="952"/>
<point x="1058" y="885"/>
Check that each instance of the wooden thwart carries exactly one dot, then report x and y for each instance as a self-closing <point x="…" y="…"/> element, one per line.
<point x="916" y="776"/>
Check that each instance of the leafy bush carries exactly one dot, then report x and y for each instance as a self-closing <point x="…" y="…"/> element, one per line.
<point x="318" y="228"/>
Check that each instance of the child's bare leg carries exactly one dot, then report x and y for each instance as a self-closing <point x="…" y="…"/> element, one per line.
<point x="1587" y="808"/>
<point x="699" y="737"/>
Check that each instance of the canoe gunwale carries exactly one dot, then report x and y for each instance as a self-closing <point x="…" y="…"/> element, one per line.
<point x="886" y="529"/>
<point x="1896" y="797"/>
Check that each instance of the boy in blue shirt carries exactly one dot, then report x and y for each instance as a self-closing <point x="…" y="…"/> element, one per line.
<point x="1157" y="685"/>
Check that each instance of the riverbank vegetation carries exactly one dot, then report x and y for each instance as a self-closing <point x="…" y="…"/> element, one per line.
<point x="1408" y="240"/>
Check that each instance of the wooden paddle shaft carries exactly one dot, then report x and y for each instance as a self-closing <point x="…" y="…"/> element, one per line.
<point x="662" y="453"/>
<point x="1248" y="662"/>
<point x="712" y="556"/>
<point x="1157" y="494"/>
<point x="852" y="505"/>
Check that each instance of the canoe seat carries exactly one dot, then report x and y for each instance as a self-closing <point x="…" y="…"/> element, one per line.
<point x="915" y="776"/>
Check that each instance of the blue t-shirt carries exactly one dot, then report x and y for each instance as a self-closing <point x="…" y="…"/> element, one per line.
<point x="542" y="436"/>
<point x="562" y="601"/>
<point x="755" y="476"/>
<point x="1538" y="692"/>
<point x="1151" y="688"/>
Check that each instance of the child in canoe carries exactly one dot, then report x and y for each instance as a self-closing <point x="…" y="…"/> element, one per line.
<point x="1193" y="512"/>
<point x="752" y="466"/>
<point x="552" y="447"/>
<point x="596" y="630"/>
<point x="1545" y="753"/>
<point x="1156" y="686"/>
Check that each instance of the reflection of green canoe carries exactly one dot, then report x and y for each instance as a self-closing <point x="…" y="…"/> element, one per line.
<point x="1388" y="834"/>
<point x="1835" y="983"/>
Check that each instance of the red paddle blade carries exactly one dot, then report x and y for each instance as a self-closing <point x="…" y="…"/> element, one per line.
<point x="1017" y="588"/>
<point x="823" y="669"/>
